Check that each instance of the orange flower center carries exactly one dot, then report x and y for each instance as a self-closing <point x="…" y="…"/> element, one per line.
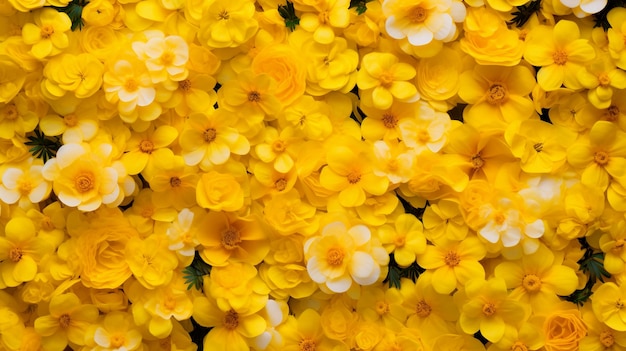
<point x="606" y="338"/>
<point x="147" y="212"/>
<point x="386" y="80"/>
<point x="560" y="57"/>
<point x="254" y="96"/>
<point x="354" y="177"/>
<point x="604" y="80"/>
<point x="169" y="303"/>
<point x="231" y="320"/>
<point x="184" y="85"/>
<point x="382" y="307"/>
<point x="489" y="309"/>
<point x="15" y="254"/>
<point x="117" y="341"/>
<point x="279" y="146"/>
<point x="131" y="85"/>
<point x="538" y="147"/>
<point x="531" y="282"/>
<point x="496" y="94"/>
<point x="477" y="161"/>
<point x="46" y="31"/>
<point x="209" y="135"/>
<point x="280" y="184"/>
<point x="389" y="121"/>
<point x="70" y="120"/>
<point x="175" y="182"/>
<point x="64" y="320"/>
<point x="46" y="223"/>
<point x="146" y="146"/>
<point x="613" y="113"/>
<point x="307" y="344"/>
<point x="335" y="256"/>
<point x="223" y="15"/>
<point x="423" y="309"/>
<point x="10" y="112"/>
<point x="601" y="157"/>
<point x="231" y="238"/>
<point x="167" y="58"/>
<point x="24" y="186"/>
<point x="618" y="304"/>
<point x="417" y="14"/>
<point x="399" y="241"/>
<point x="84" y="182"/>
<point x="452" y="259"/>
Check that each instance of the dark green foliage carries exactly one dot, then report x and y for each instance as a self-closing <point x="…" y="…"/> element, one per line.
<point x="288" y="13"/>
<point x="592" y="264"/>
<point x="74" y="11"/>
<point x="524" y="12"/>
<point x="195" y="272"/>
<point x="43" y="146"/>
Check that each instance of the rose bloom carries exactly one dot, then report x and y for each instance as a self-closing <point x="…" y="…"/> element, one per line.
<point x="219" y="192"/>
<point x="100" y="245"/>
<point x="563" y="328"/>
<point x="282" y="63"/>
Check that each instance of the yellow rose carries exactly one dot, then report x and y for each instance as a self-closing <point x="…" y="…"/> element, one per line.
<point x="108" y="300"/>
<point x="102" y="42"/>
<point x="100" y="246"/>
<point x="219" y="192"/>
<point x="283" y="63"/>
<point x="563" y="329"/>
<point x="98" y="13"/>
<point x="438" y="77"/>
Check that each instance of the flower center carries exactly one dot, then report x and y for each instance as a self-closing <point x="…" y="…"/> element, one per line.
<point x="46" y="223"/>
<point x="280" y="184"/>
<point x="497" y="94"/>
<point x="47" y="31"/>
<point x="417" y="14"/>
<point x="519" y="346"/>
<point x="604" y="80"/>
<point x="389" y="121"/>
<point x="489" y="309"/>
<point x="84" y="182"/>
<point x="169" y="303"/>
<point x="307" y="344"/>
<point x="231" y="238"/>
<point x="70" y="120"/>
<point x="184" y="85"/>
<point x="606" y="338"/>
<point x="223" y="15"/>
<point x="209" y="135"/>
<point x="335" y="257"/>
<point x="601" y="157"/>
<point x="324" y="17"/>
<point x="117" y="341"/>
<point x="354" y="177"/>
<point x="131" y="85"/>
<point x="618" y="304"/>
<point x="147" y="212"/>
<point x="167" y="58"/>
<point x="382" y="307"/>
<point x="15" y="254"/>
<point x="24" y="186"/>
<point x="613" y="113"/>
<point x="254" y="96"/>
<point x="452" y="259"/>
<point x="279" y="146"/>
<point x="423" y="309"/>
<point x="538" y="147"/>
<point x="10" y="112"/>
<point x="560" y="57"/>
<point x="386" y="80"/>
<point x="399" y="241"/>
<point x="477" y="161"/>
<point x="146" y="146"/>
<point x="175" y="182"/>
<point x="166" y="343"/>
<point x="231" y="320"/>
<point x="64" y="321"/>
<point x="531" y="282"/>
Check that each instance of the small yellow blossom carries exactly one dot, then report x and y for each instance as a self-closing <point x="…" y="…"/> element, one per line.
<point x="48" y="34"/>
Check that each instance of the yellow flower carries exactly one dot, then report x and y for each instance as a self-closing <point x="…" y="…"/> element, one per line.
<point x="341" y="255"/>
<point x="599" y="336"/>
<point x="563" y="327"/>
<point x="607" y="303"/>
<point x="209" y="140"/>
<point x="382" y="305"/>
<point x="428" y="131"/>
<point x="25" y="185"/>
<point x="48" y="34"/>
<point x="277" y="149"/>
<point x="438" y="76"/>
<point x="560" y="52"/>
<point x="288" y="213"/>
<point x="393" y="161"/>
<point x="116" y="331"/>
<point x="67" y="321"/>
<point x="99" y="246"/>
<point x="307" y="118"/>
<point x="142" y="147"/>
<point x="488" y="308"/>
<point x="77" y="125"/>
<point x="601" y="77"/>
<point x="443" y="221"/>
<point x="16" y="119"/>
<point x="330" y="14"/>
<point x="384" y="77"/>
<point x="165" y="57"/>
<point x="422" y="21"/>
<point x="612" y="244"/>
<point x="537" y="279"/>
<point x="81" y="176"/>
<point x="252" y="95"/>
<point x="453" y="263"/>
<point x="150" y="260"/>
<point x="224" y="238"/>
<point x="498" y="92"/>
<point x="406" y="239"/>
<point x="98" y="13"/>
<point x="601" y="157"/>
<point x="616" y="34"/>
<point x="219" y="192"/>
<point x="20" y="252"/>
<point x="304" y="332"/>
<point x="194" y="94"/>
<point x="173" y="182"/>
<point x="269" y="181"/>
<point x="286" y="67"/>
<point x="227" y="23"/>
<point x="80" y="75"/>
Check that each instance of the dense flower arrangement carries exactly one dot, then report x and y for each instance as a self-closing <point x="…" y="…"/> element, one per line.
<point x="312" y="175"/>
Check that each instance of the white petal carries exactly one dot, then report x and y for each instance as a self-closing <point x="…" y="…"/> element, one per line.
<point x="314" y="271"/>
<point x="360" y="234"/>
<point x="535" y="229"/>
<point x="363" y="266"/>
<point x="570" y="3"/>
<point x="8" y="196"/>
<point x="422" y="37"/>
<point x="11" y="176"/>
<point x="339" y="285"/>
<point x="392" y="29"/>
<point x="593" y="6"/>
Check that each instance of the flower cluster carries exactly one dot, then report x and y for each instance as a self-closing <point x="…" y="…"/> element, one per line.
<point x="312" y="175"/>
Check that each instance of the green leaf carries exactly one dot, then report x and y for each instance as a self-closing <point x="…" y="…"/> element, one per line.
<point x="43" y="146"/>
<point x="524" y="12"/>
<point x="592" y="264"/>
<point x="74" y="11"/>
<point x="288" y="13"/>
<point x="361" y="5"/>
<point x="195" y="272"/>
<point x="396" y="273"/>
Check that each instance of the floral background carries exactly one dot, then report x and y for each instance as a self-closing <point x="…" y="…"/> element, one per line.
<point x="312" y="175"/>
